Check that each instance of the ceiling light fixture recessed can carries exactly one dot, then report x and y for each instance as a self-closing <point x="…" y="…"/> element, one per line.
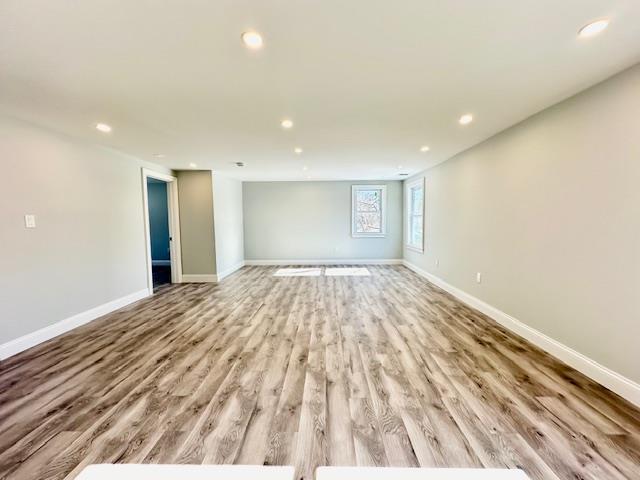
<point x="286" y="123"/>
<point x="193" y="165"/>
<point x="466" y="119"/>
<point x="424" y="149"/>
<point x="252" y="40"/>
<point x="297" y="150"/>
<point x="103" y="127"/>
<point x="593" y="28"/>
<point x="158" y="155"/>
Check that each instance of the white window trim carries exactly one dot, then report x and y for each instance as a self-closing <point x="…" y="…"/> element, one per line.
<point x="383" y="203"/>
<point x="418" y="182"/>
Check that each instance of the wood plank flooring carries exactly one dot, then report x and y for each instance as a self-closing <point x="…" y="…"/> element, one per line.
<point x="381" y="370"/>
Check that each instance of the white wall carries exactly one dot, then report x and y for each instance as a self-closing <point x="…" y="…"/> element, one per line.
<point x="89" y="245"/>
<point x="227" y="214"/>
<point x="312" y="221"/>
<point x="549" y="212"/>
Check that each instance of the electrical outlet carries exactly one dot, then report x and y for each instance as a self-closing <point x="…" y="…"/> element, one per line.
<point x="479" y="277"/>
<point x="30" y="221"/>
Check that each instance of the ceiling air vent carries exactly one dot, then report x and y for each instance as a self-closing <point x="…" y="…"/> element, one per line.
<point x="403" y="174"/>
<point x="239" y="164"/>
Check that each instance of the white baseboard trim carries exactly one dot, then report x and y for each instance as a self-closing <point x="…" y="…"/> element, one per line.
<point x="333" y="261"/>
<point x="617" y="383"/>
<point x="229" y="271"/>
<point x="199" y="278"/>
<point x="161" y="263"/>
<point x="47" y="333"/>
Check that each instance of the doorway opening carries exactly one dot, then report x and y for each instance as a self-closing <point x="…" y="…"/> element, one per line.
<point x="162" y="229"/>
<point x="159" y="232"/>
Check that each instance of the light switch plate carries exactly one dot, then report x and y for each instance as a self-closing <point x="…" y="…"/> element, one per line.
<point x="30" y="221"/>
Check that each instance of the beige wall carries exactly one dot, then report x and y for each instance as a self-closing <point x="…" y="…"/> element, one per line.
<point x="89" y="245"/>
<point x="227" y="209"/>
<point x="312" y="221"/>
<point x="549" y="212"/>
<point x="195" y="195"/>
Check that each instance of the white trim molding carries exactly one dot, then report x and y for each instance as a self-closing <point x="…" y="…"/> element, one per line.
<point x="47" y="333"/>
<point x="175" y="249"/>
<point x="229" y="271"/>
<point x="199" y="278"/>
<point x="615" y="382"/>
<point x="209" y="277"/>
<point x="334" y="261"/>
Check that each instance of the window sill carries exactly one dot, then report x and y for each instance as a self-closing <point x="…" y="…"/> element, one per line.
<point x="368" y="235"/>
<point x="414" y="249"/>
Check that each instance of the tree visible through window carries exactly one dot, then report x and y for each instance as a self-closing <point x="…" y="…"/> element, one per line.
<point x="368" y="210"/>
<point x="415" y="214"/>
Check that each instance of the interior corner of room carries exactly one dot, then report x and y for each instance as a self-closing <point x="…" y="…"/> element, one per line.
<point x="318" y="262"/>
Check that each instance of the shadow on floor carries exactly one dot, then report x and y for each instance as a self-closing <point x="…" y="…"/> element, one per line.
<point x="161" y="275"/>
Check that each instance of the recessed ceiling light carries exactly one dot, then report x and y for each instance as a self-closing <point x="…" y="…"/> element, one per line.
<point x="424" y="149"/>
<point x="297" y="150"/>
<point x="593" y="28"/>
<point x="399" y="167"/>
<point x="252" y="40"/>
<point x="158" y="155"/>
<point x="193" y="165"/>
<point x="103" y="127"/>
<point x="305" y="168"/>
<point x="286" y="123"/>
<point x="466" y="119"/>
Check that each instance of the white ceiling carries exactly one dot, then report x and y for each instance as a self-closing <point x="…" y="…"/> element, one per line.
<point x="366" y="82"/>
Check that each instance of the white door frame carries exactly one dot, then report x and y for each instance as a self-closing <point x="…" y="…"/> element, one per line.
<point x="175" y="252"/>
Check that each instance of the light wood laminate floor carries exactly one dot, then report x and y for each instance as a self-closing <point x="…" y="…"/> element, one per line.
<point x="384" y="369"/>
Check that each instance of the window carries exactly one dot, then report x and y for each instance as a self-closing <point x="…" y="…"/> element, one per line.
<point x="368" y="210"/>
<point x="415" y="215"/>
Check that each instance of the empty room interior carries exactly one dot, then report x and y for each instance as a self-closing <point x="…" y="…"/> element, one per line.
<point x="303" y="240"/>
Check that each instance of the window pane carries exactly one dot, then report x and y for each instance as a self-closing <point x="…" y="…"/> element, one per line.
<point x="368" y="200"/>
<point x="417" y="194"/>
<point x="416" y="230"/>
<point x="368" y="218"/>
<point x="368" y="222"/>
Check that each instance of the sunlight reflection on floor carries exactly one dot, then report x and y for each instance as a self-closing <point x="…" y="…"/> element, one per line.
<point x="317" y="271"/>
<point x="298" y="272"/>
<point x="347" y="272"/>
